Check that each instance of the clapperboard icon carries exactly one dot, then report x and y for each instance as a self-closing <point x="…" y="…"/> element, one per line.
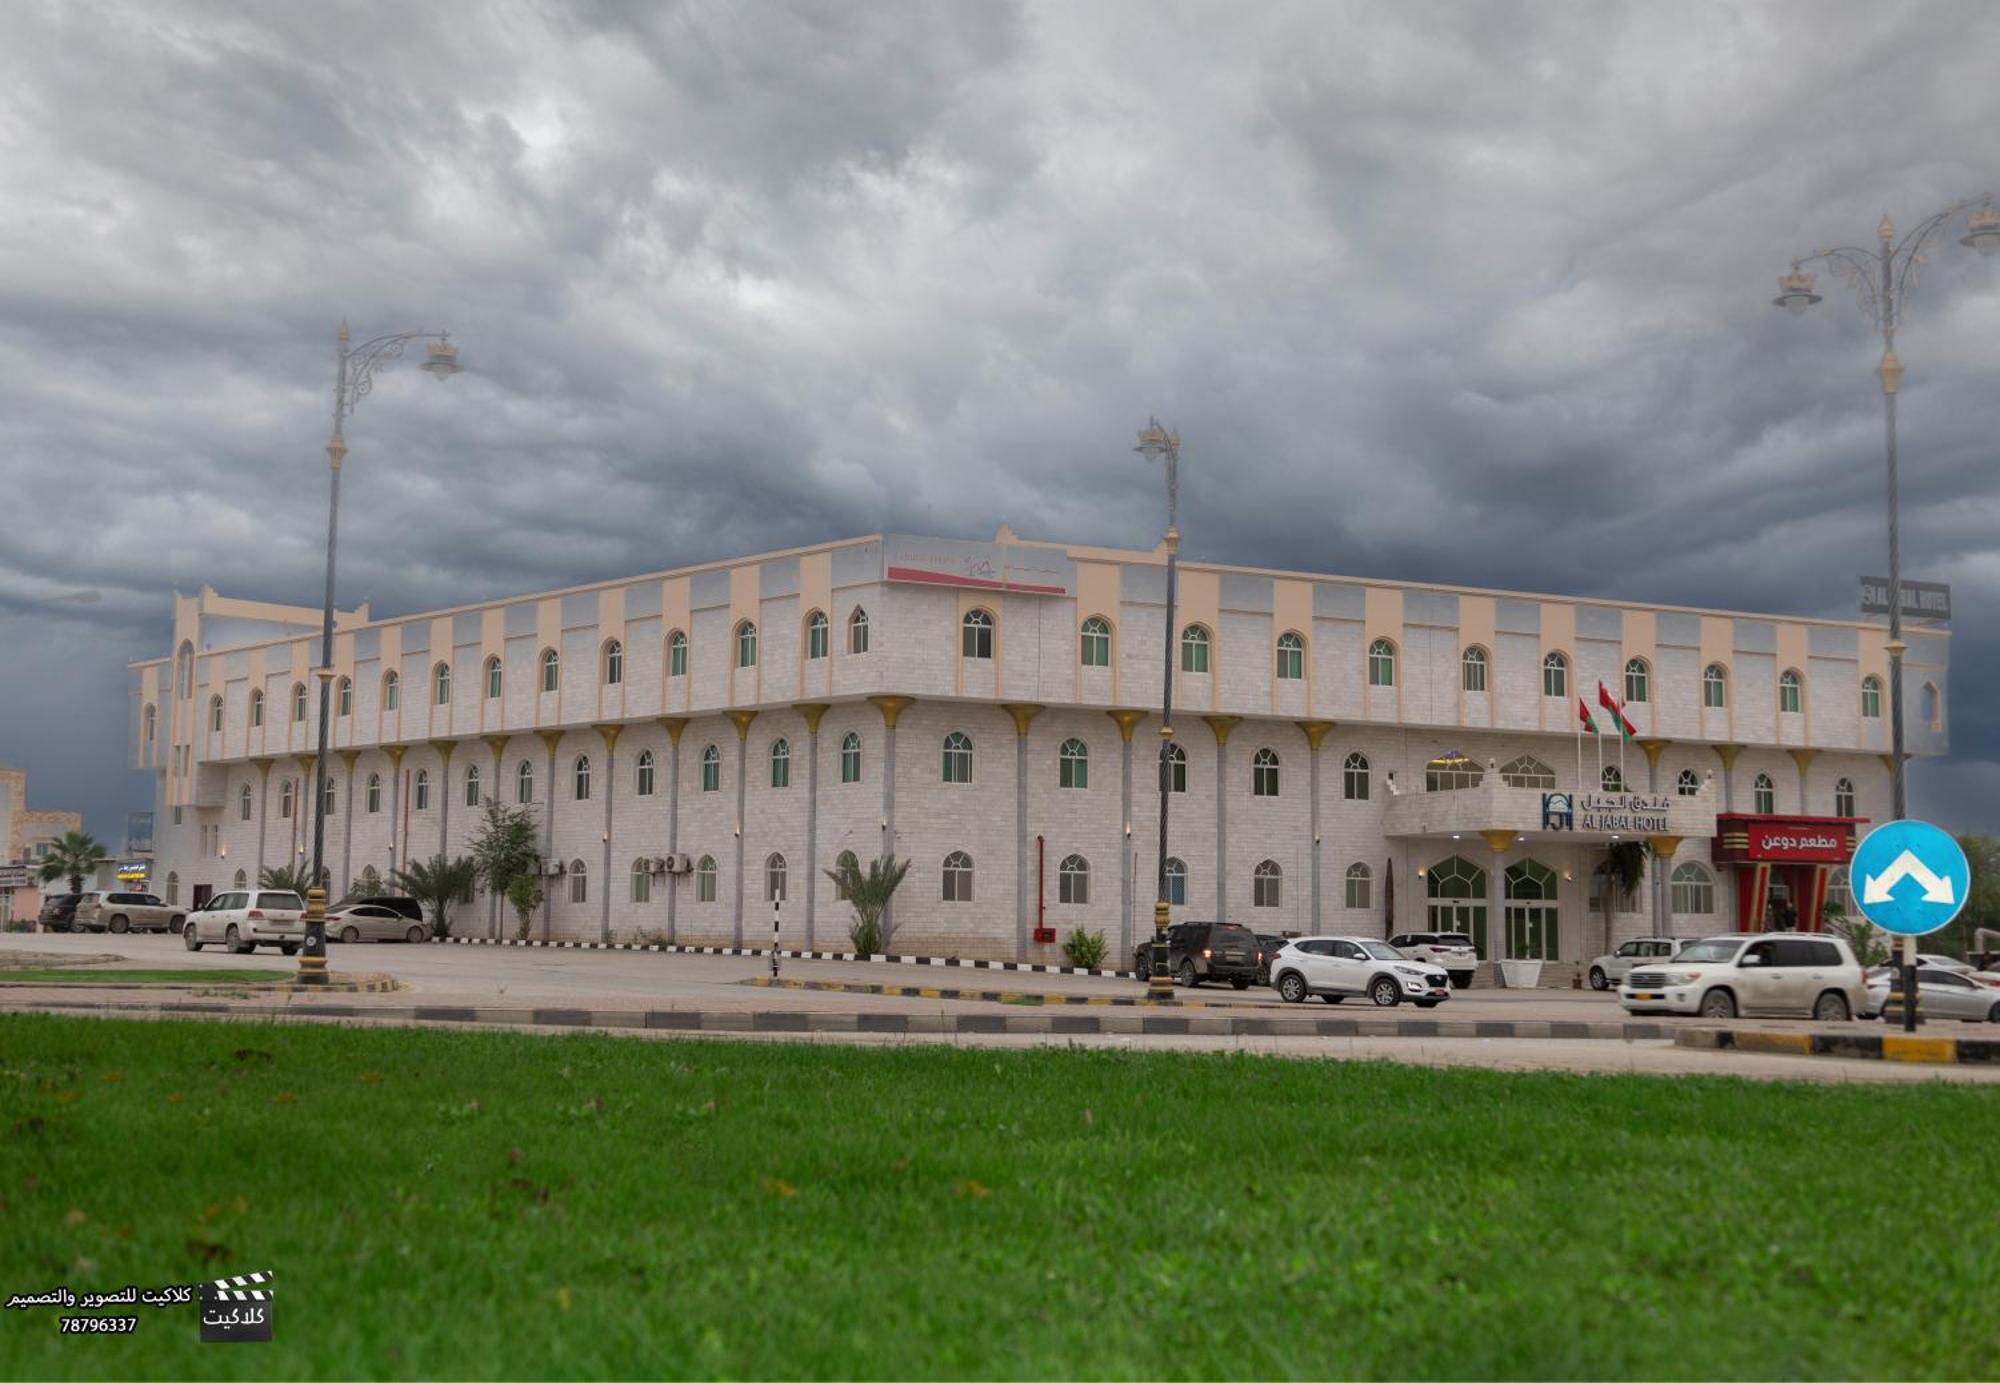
<point x="236" y="1308"/>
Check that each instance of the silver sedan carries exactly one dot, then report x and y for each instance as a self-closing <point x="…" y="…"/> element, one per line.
<point x="372" y="922"/>
<point x="1941" y="993"/>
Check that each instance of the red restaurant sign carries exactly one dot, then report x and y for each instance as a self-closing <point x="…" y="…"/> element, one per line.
<point x="1798" y="842"/>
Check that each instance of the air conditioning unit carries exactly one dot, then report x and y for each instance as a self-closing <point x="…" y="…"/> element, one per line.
<point x="554" y="868"/>
<point x="658" y="866"/>
<point x="686" y="863"/>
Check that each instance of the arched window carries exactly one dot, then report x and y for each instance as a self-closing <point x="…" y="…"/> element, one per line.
<point x="441" y="684"/>
<point x="1530" y="881"/>
<point x="1527" y="772"/>
<point x="976" y="640"/>
<point x="1843" y="797"/>
<point x="1688" y="784"/>
<point x="1790" y="694"/>
<point x="1073" y="764"/>
<point x="285" y="800"/>
<point x="374" y="798"/>
<point x="149" y="720"/>
<point x="243" y="803"/>
<point x="642" y="774"/>
<point x="1931" y="706"/>
<point x="371" y="879"/>
<point x="343" y="697"/>
<point x="1291" y="657"/>
<point x="1381" y="664"/>
<point x="1472" y="669"/>
<point x="857" y="631"/>
<point x="1693" y="890"/>
<point x="746" y="644"/>
<point x="420" y="791"/>
<point x="774" y="876"/>
<point x="184" y="670"/>
<point x="1358" y="885"/>
<point x="1638" y="680"/>
<point x="524" y="782"/>
<point x="614" y="663"/>
<point x="844" y="865"/>
<point x="1555" y="675"/>
<point x="256" y="707"/>
<point x="1264" y="774"/>
<point x="496" y="679"/>
<point x="472" y="794"/>
<point x="1094" y="644"/>
<point x="1267" y="885"/>
<point x="1073" y="880"/>
<point x="298" y="703"/>
<point x="1764" y="796"/>
<point x="677" y="654"/>
<point x="1871" y="698"/>
<point x="850" y="757"/>
<point x="242" y="880"/>
<point x="580" y="778"/>
<point x="711" y="769"/>
<point x="1176" y="768"/>
<point x="1354" y="778"/>
<point x="957" y="877"/>
<point x="816" y="640"/>
<point x="1177" y="882"/>
<point x="214" y="713"/>
<point x="704" y="879"/>
<point x="781" y="763"/>
<point x="173" y="889"/>
<point x="1194" y="649"/>
<point x="1451" y="771"/>
<point x="1611" y="779"/>
<point x="392" y="692"/>
<point x="957" y="758"/>
<point x="1714" y="687"/>
<point x="551" y="670"/>
<point x="642" y="880"/>
<point x="579" y="882"/>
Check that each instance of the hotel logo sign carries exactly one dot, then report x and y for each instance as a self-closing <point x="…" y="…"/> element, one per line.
<point x="1557" y="813"/>
<point x="1626" y="813"/>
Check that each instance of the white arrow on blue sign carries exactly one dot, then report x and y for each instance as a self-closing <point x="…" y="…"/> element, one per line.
<point x="1909" y="877"/>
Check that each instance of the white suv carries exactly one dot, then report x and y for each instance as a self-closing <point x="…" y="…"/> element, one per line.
<point x="1606" y="971"/>
<point x="1722" y="976"/>
<point x="1340" y="967"/>
<point x="1453" y="951"/>
<point x="243" y="920"/>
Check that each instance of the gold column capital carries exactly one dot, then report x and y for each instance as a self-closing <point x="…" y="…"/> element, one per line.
<point x="813" y="712"/>
<point x="1128" y="721"/>
<point x="1803" y="757"/>
<point x="264" y="768"/>
<point x="741" y="720"/>
<point x="395" y="753"/>
<point x="1664" y="846"/>
<point x="444" y="750"/>
<point x="1315" y="731"/>
<point x="1499" y="842"/>
<point x="891" y="707"/>
<point x="1727" y="753"/>
<point x="1222" y="725"/>
<point x="609" y="733"/>
<point x="306" y="763"/>
<point x="1888" y="762"/>
<point x="551" y="738"/>
<point x="1023" y="712"/>
<point x="674" y="725"/>
<point x="350" y="757"/>
<point x="1654" y="747"/>
<point x="497" y="745"/>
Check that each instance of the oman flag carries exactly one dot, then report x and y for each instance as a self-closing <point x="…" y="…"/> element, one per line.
<point x="1611" y="704"/>
<point x="1583" y="714"/>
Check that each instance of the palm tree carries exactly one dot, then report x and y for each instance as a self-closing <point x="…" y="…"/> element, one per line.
<point x="870" y="894"/>
<point x="288" y="878"/>
<point x="439" y="882"/>
<point x="74" y="856"/>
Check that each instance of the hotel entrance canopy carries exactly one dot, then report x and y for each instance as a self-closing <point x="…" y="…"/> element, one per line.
<point x="1492" y="808"/>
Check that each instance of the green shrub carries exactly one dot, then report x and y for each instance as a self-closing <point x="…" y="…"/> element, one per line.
<point x="1085" y="950"/>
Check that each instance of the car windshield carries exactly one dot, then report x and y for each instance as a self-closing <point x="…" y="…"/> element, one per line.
<point x="1453" y="939"/>
<point x="1382" y="950"/>
<point x="1229" y="935"/>
<point x="1711" y="950"/>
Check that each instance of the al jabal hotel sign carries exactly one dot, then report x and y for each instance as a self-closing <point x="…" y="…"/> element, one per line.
<point x="978" y="566"/>
<point x="1634" y="813"/>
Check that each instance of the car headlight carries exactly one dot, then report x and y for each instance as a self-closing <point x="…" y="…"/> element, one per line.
<point x="1412" y="972"/>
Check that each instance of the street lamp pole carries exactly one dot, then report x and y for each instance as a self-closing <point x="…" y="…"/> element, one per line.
<point x="354" y="376"/>
<point x="1156" y="442"/>
<point x="1882" y="280"/>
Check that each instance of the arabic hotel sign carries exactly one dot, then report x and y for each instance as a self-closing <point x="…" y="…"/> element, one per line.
<point x="1625" y="813"/>
<point x="979" y="566"/>
<point x="1792" y="842"/>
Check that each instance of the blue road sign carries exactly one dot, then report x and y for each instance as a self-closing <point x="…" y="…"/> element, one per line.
<point x="1909" y="877"/>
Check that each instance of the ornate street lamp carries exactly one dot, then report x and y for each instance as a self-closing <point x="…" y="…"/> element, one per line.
<point x="1158" y="444"/>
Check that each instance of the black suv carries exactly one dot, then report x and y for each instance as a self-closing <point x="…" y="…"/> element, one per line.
<point x="59" y="912"/>
<point x="1199" y="951"/>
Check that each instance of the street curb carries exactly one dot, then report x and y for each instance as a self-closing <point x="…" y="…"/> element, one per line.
<point x="1212" y="1024"/>
<point x="1026" y="998"/>
<point x="1020" y="967"/>
<point x="380" y="985"/>
<point x="1941" y="1051"/>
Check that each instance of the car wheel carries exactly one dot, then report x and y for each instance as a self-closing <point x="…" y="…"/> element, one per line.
<point x="234" y="941"/>
<point x="1598" y="979"/>
<point x="289" y="948"/>
<point x="1184" y="977"/>
<point x="414" y="935"/>
<point x="1240" y="983"/>
<point x="1718" y="1003"/>
<point x="1832" y="1008"/>
<point x="121" y="924"/>
<point x="189" y="939"/>
<point x="1461" y="979"/>
<point x="350" y="935"/>
<point x="1385" y="992"/>
<point x="176" y="924"/>
<point x="1291" y="987"/>
<point x="1993" y="1014"/>
<point x="1331" y="998"/>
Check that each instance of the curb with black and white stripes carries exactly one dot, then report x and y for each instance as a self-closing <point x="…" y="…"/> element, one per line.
<point x="1018" y="967"/>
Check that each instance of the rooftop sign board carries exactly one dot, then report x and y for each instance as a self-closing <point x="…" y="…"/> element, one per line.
<point x="1926" y="601"/>
<point x="977" y="566"/>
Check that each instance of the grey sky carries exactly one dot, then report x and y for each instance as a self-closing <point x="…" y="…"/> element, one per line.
<point x="1472" y="293"/>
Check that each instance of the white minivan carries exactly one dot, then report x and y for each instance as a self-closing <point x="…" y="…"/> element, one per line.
<point x="245" y="919"/>
<point x="1723" y="976"/>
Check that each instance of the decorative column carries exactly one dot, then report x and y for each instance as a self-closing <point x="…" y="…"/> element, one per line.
<point x="1727" y="753"/>
<point x="444" y="749"/>
<point x="812" y="711"/>
<point x="891" y="707"/>
<point x="1499" y="842"/>
<point x="1658" y="872"/>
<point x="395" y="753"/>
<point x="308" y="777"/>
<point x="1315" y="731"/>
<point x="349" y="757"/>
<point x="1023" y="714"/>
<point x="263" y="811"/>
<point x="1222" y="725"/>
<point x="1663" y="858"/>
<point x="673" y="725"/>
<point x="609" y="733"/>
<point x="1803" y="758"/>
<point x="550" y="738"/>
<point x="741" y="720"/>
<point x="1127" y="722"/>
<point x="497" y="746"/>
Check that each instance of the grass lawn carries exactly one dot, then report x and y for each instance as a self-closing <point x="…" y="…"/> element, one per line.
<point x="455" y="1204"/>
<point x="101" y="975"/>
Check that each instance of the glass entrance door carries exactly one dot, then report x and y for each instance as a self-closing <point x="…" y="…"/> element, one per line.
<point x="1469" y="918"/>
<point x="1531" y="931"/>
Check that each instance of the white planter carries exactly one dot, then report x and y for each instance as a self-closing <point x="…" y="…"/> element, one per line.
<point x="1518" y="974"/>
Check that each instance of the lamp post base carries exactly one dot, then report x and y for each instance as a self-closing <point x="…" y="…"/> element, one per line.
<point x="312" y="956"/>
<point x="1159" y="984"/>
